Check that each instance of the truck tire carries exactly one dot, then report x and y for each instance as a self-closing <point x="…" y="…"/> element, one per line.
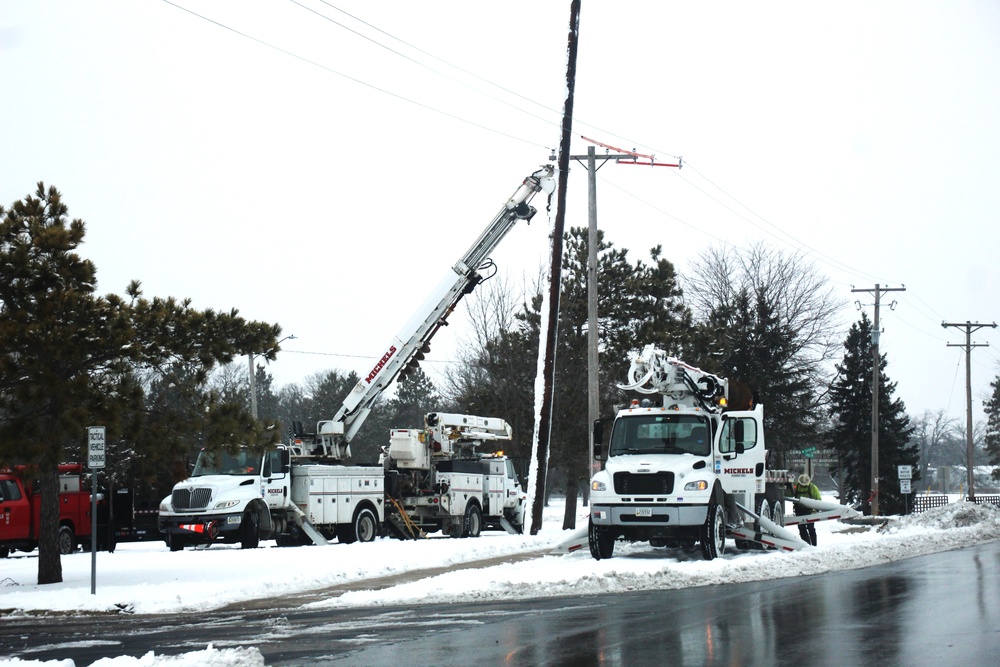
<point x="713" y="532"/>
<point x="250" y="529"/>
<point x="363" y="528"/>
<point x="4" y="552"/>
<point x="602" y="542"/>
<point x="762" y="508"/>
<point x="778" y="512"/>
<point x="472" y="523"/>
<point x="66" y="540"/>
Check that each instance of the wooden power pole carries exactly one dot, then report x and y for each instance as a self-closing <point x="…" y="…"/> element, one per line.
<point x="969" y="328"/>
<point x="877" y="291"/>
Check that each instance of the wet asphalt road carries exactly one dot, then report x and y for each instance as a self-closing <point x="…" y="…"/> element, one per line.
<point x="942" y="609"/>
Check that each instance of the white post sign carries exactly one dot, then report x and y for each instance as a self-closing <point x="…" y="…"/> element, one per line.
<point x="96" y="456"/>
<point x="904" y="486"/>
<point x="96" y="450"/>
<point x="905" y="472"/>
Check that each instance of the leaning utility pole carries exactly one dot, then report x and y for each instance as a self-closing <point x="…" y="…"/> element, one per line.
<point x="550" y="318"/>
<point x="969" y="328"/>
<point x="877" y="291"/>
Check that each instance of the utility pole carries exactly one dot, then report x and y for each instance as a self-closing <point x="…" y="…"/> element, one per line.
<point x="593" y="384"/>
<point x="969" y="328"/>
<point x="877" y="291"/>
<point x="550" y="314"/>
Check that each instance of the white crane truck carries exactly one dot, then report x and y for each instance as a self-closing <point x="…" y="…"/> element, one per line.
<point x="692" y="470"/>
<point x="437" y="480"/>
<point x="305" y="490"/>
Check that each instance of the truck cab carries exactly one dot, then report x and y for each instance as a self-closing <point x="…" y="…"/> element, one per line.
<point x="229" y="497"/>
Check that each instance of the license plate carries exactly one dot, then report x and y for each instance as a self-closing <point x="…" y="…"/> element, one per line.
<point x="644" y="511"/>
<point x="233" y="519"/>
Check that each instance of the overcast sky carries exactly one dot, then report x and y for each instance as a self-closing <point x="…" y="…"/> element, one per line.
<point x="321" y="165"/>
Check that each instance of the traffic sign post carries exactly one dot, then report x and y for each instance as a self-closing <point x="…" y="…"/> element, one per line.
<point x="96" y="458"/>
<point x="905" y="476"/>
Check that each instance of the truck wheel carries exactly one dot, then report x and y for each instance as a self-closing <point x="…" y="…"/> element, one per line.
<point x="250" y="530"/>
<point x="762" y="509"/>
<point x="713" y="532"/>
<point x="778" y="512"/>
<point x="175" y="542"/>
<point x="472" y="524"/>
<point x="4" y="552"/>
<point x="602" y="542"/>
<point x="365" y="525"/>
<point x="66" y="540"/>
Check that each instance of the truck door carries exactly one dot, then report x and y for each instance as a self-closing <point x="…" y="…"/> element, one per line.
<point x="739" y="455"/>
<point x="275" y="476"/>
<point x="512" y="487"/>
<point x="15" y="512"/>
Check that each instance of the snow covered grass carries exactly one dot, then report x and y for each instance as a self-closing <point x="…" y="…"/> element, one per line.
<point x="147" y="578"/>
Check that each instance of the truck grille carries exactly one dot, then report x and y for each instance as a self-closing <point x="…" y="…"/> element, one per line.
<point x="191" y="499"/>
<point x="660" y="483"/>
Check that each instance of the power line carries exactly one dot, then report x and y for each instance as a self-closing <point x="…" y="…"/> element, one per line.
<point x="354" y="79"/>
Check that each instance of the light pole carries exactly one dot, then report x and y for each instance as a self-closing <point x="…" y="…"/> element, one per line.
<point x="253" y="378"/>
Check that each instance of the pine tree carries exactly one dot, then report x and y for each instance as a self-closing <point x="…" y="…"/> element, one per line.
<point x="70" y="359"/>
<point x="850" y="434"/>
<point x="991" y="439"/>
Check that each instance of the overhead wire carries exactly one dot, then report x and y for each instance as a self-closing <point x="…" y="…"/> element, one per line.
<point x="355" y="79"/>
<point x="778" y="233"/>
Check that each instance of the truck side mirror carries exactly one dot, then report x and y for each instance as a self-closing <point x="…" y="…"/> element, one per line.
<point x="598" y="437"/>
<point x="286" y="461"/>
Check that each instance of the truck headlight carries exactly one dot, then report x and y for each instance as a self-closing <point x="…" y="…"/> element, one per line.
<point x="598" y="486"/>
<point x="226" y="504"/>
<point x="165" y="506"/>
<point x="700" y="485"/>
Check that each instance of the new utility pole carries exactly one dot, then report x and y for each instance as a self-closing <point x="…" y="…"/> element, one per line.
<point x="621" y="157"/>
<point x="969" y="328"/>
<point x="877" y="291"/>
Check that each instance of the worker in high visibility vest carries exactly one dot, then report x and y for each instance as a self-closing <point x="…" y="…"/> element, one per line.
<point x="804" y="488"/>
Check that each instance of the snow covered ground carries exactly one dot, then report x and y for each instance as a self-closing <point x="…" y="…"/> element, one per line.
<point x="146" y="578"/>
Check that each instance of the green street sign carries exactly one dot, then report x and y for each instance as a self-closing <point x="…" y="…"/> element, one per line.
<point x="808" y="452"/>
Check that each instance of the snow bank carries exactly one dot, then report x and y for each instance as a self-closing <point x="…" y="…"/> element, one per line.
<point x="210" y="657"/>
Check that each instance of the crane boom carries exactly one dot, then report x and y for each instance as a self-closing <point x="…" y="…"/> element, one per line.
<point x="333" y="437"/>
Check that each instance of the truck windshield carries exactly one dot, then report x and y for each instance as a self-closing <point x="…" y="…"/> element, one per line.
<point x="224" y="463"/>
<point x="661" y="434"/>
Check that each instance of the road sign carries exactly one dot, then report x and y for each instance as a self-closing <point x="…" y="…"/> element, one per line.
<point x="96" y="447"/>
<point x="809" y="452"/>
<point x="905" y="472"/>
<point x="904" y="486"/>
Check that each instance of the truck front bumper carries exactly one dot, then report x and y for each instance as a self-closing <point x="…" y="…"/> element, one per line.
<point x="201" y="527"/>
<point x="636" y="515"/>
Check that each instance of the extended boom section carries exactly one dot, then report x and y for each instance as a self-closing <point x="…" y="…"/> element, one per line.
<point x="413" y="342"/>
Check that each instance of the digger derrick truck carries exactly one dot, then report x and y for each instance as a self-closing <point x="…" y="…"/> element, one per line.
<point x="691" y="470"/>
<point x="304" y="490"/>
<point x="437" y="480"/>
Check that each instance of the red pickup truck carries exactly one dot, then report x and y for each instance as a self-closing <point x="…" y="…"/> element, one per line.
<point x="20" y="509"/>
